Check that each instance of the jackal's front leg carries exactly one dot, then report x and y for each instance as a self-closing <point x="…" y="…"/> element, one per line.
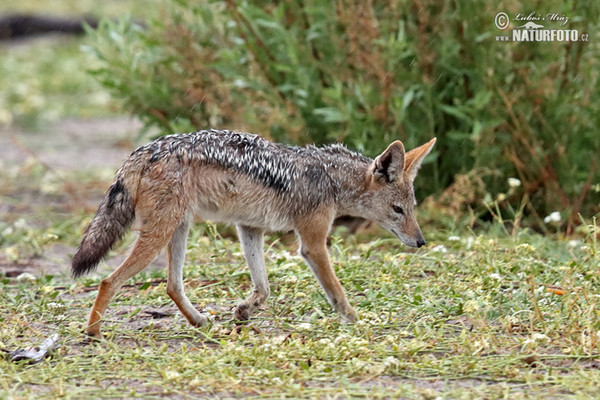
<point x="252" y="244"/>
<point x="313" y="237"/>
<point x="175" y="258"/>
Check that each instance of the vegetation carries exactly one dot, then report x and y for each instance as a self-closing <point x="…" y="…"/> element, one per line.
<point x="52" y="87"/>
<point x="472" y="316"/>
<point x="367" y="73"/>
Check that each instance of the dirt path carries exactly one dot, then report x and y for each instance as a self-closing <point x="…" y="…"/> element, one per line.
<point x="73" y="144"/>
<point x="67" y="148"/>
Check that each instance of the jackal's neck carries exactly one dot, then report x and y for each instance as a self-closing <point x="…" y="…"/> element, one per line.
<point x="352" y="184"/>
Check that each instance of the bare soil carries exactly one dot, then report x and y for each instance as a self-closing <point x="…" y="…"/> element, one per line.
<point x="75" y="144"/>
<point x="64" y="148"/>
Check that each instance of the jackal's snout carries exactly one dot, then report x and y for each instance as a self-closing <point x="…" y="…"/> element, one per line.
<point x="417" y="239"/>
<point x="412" y="237"/>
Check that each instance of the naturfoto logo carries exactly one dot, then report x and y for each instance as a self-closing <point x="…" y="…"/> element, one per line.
<point x="532" y="27"/>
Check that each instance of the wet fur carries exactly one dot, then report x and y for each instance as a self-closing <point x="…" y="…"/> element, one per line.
<point x="257" y="185"/>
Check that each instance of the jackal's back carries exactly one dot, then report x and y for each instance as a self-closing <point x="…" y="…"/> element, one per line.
<point x="280" y="167"/>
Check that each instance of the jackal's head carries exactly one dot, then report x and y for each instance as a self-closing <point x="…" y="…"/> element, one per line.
<point x="390" y="198"/>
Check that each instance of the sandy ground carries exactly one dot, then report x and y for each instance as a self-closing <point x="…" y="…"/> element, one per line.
<point x="67" y="147"/>
<point x="71" y="144"/>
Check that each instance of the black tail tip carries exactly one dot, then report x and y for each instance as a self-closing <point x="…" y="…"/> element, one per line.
<point x="82" y="266"/>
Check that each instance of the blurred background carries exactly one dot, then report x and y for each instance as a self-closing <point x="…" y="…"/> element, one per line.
<point x="516" y="122"/>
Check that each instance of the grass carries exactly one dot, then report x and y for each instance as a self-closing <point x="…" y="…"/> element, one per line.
<point x="45" y="79"/>
<point x="477" y="316"/>
<point x="49" y="88"/>
<point x="79" y="7"/>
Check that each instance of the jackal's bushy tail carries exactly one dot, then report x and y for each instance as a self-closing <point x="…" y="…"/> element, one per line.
<point x="114" y="215"/>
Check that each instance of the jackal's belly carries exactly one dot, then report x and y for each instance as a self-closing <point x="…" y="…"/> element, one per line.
<point x="221" y="196"/>
<point x="264" y="219"/>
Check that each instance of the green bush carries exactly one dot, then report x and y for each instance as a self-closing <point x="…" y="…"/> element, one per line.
<point x="367" y="73"/>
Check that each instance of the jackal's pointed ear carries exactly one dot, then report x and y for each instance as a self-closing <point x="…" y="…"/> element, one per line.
<point x="390" y="163"/>
<point x="415" y="157"/>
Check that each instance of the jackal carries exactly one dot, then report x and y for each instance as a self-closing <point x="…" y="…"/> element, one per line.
<point x="259" y="186"/>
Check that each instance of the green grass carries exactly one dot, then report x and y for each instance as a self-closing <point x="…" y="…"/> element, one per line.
<point x="80" y="7"/>
<point x="45" y="79"/>
<point x="51" y="86"/>
<point x="485" y="316"/>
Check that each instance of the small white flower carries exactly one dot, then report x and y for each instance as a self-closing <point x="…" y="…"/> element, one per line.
<point x="358" y="364"/>
<point x="341" y="339"/>
<point x="20" y="224"/>
<point x="171" y="375"/>
<point x="391" y="361"/>
<point x="470" y="241"/>
<point x="196" y="382"/>
<point x="439" y="249"/>
<point x="514" y="182"/>
<point x="553" y="217"/>
<point x="240" y="83"/>
<point x="26" y="277"/>
<point x="528" y="342"/>
<point x="276" y="381"/>
<point x="56" y="308"/>
<point x="526" y="247"/>
<point x="495" y="276"/>
<point x="539" y="337"/>
<point x="454" y="238"/>
<point x="305" y="326"/>
<point x="574" y="243"/>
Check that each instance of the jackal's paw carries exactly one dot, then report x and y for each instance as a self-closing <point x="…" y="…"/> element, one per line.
<point x="198" y="320"/>
<point x="349" y="316"/>
<point x="94" y="334"/>
<point x="242" y="312"/>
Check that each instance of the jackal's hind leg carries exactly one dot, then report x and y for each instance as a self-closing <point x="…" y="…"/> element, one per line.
<point x="175" y="258"/>
<point x="252" y="244"/>
<point x="146" y="248"/>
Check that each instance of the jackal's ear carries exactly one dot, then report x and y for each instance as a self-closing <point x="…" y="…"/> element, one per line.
<point x="390" y="163"/>
<point x="415" y="157"/>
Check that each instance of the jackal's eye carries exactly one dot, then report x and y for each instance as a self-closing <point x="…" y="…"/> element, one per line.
<point x="398" y="209"/>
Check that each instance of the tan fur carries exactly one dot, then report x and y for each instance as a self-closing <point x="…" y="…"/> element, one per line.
<point x="166" y="197"/>
<point x="313" y="231"/>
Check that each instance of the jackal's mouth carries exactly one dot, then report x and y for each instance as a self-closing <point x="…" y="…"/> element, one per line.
<point x="405" y="239"/>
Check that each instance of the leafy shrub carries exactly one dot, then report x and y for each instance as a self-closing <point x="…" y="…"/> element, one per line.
<point x="367" y="73"/>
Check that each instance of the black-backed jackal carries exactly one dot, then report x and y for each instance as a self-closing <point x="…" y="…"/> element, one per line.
<point x="257" y="185"/>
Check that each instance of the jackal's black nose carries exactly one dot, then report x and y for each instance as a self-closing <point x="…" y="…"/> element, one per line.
<point x="421" y="242"/>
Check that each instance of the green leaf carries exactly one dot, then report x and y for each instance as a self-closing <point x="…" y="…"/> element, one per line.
<point x="330" y="114"/>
